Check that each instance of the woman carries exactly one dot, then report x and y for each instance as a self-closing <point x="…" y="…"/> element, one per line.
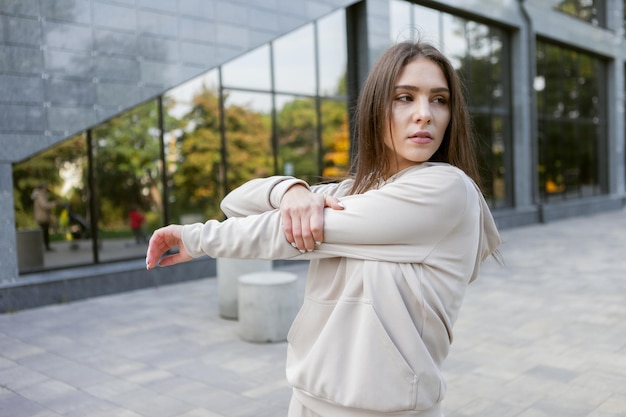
<point x="392" y="249"/>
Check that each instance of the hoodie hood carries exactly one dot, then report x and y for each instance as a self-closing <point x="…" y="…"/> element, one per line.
<point x="489" y="239"/>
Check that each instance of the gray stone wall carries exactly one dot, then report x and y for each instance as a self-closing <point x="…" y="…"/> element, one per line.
<point x="8" y="252"/>
<point x="66" y="65"/>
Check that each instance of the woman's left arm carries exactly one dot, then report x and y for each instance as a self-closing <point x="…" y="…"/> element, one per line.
<point x="257" y="196"/>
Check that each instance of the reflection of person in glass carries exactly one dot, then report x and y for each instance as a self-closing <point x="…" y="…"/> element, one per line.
<point x="136" y="220"/>
<point x="391" y="249"/>
<point x="42" y="207"/>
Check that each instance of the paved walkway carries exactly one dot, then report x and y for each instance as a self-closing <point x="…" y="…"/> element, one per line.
<point x="543" y="336"/>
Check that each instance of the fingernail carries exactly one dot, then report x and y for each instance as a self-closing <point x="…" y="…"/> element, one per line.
<point x="318" y="243"/>
<point x="309" y="250"/>
<point x="302" y="250"/>
<point x="293" y="244"/>
<point x="341" y="204"/>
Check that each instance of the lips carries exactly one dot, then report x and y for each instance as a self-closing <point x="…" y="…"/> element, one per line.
<point x="421" y="137"/>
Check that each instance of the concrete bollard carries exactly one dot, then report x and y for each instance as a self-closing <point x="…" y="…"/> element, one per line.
<point x="29" y="249"/>
<point x="268" y="304"/>
<point x="228" y="271"/>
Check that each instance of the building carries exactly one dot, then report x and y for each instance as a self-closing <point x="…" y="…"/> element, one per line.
<point x="166" y="105"/>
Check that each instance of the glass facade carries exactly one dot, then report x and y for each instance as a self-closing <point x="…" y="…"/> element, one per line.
<point x="479" y="54"/>
<point x="571" y="123"/>
<point x="279" y="109"/>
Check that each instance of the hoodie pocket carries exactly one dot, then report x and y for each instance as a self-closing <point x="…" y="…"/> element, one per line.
<point x="341" y="353"/>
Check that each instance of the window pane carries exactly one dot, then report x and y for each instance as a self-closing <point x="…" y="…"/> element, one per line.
<point x="193" y="150"/>
<point x="491" y="132"/>
<point x="499" y="67"/>
<point x="570" y="159"/>
<point x="294" y="62"/>
<point x="248" y="136"/>
<point x="591" y="11"/>
<point x="332" y="55"/>
<point x="570" y="123"/>
<point x="297" y="142"/>
<point x="427" y="21"/>
<point x="589" y="162"/>
<point x="454" y="40"/>
<point x="553" y="76"/>
<point x="128" y="173"/>
<point x="181" y="99"/>
<point x="476" y="51"/>
<point x="570" y="84"/>
<point x="401" y="27"/>
<point x="62" y="172"/>
<point x="335" y="139"/>
<point x="551" y="167"/>
<point x="251" y="70"/>
<point x="478" y="72"/>
<point x="540" y="77"/>
<point x="588" y="87"/>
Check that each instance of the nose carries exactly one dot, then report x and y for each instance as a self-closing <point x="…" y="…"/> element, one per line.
<point x="421" y="110"/>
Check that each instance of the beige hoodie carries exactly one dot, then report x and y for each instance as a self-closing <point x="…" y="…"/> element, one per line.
<point x="383" y="289"/>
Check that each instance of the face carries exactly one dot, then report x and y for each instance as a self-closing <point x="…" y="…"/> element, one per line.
<point x="420" y="113"/>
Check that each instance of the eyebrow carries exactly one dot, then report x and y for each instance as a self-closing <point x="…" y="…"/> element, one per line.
<point x="414" y="88"/>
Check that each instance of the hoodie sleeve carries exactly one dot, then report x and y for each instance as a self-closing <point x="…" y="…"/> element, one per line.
<point x="264" y="194"/>
<point x="400" y="222"/>
<point x="257" y="196"/>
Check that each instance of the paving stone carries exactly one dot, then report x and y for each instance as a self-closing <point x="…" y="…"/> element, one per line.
<point x="199" y="412"/>
<point x="15" y="405"/>
<point x="17" y="378"/>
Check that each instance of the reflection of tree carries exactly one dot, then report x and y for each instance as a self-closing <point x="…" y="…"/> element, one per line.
<point x="127" y="164"/>
<point x="195" y="179"/>
<point x="297" y="125"/>
<point x="335" y="139"/>
<point x="248" y="143"/>
<point x="197" y="185"/>
<point x="582" y="9"/>
<point x="47" y="167"/>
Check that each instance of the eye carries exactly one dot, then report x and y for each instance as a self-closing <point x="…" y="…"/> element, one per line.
<point x="440" y="100"/>
<point x="404" y="97"/>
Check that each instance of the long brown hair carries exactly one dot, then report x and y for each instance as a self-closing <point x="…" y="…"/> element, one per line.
<point x="373" y="113"/>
